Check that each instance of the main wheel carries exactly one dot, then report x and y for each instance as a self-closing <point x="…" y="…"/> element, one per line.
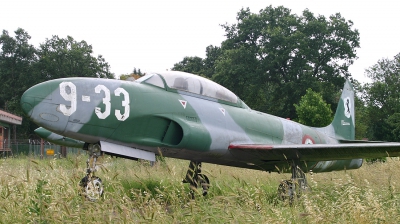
<point x="287" y="190"/>
<point x="204" y="183"/>
<point x="92" y="188"/>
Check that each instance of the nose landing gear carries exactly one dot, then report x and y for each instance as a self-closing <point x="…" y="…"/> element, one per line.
<point x="196" y="179"/>
<point x="92" y="186"/>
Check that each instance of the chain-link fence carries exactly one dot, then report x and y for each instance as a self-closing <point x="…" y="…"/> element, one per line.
<point x="32" y="147"/>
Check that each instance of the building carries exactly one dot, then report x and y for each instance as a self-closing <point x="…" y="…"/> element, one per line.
<point x="7" y="121"/>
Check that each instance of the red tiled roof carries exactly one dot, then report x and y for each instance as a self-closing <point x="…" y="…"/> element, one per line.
<point x="10" y="118"/>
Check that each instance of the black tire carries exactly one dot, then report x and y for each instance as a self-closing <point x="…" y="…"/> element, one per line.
<point x="92" y="188"/>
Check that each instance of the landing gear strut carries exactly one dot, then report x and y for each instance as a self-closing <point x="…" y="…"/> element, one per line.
<point x="92" y="186"/>
<point x="196" y="179"/>
<point x="292" y="189"/>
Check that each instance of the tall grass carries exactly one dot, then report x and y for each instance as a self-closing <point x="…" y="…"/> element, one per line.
<point x="47" y="191"/>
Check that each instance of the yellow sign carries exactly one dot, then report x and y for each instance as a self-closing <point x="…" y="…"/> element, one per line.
<point x="50" y="152"/>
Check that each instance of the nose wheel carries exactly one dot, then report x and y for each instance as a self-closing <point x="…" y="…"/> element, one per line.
<point x="92" y="186"/>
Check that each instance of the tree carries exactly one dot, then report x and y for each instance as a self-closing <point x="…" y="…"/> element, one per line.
<point x="199" y="66"/>
<point x="361" y="113"/>
<point x="312" y="110"/>
<point x="22" y="66"/>
<point x="60" y="58"/>
<point x="193" y="65"/>
<point x="129" y="76"/>
<point x="212" y="55"/>
<point x="394" y="122"/>
<point x="276" y="55"/>
<point x="17" y="68"/>
<point x="17" y="71"/>
<point x="383" y="99"/>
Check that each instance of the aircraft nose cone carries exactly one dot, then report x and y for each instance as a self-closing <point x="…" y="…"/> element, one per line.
<point x="32" y="97"/>
<point x="41" y="102"/>
<point x="27" y="103"/>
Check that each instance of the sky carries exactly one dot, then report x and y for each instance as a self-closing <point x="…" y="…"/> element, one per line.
<point x="153" y="35"/>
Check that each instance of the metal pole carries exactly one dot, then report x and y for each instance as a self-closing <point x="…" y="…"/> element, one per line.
<point x="41" y="148"/>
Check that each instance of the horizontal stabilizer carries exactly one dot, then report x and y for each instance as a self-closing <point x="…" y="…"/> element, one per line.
<point x="359" y="141"/>
<point x="315" y="152"/>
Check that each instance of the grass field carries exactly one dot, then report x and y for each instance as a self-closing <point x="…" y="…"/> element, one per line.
<point x="47" y="191"/>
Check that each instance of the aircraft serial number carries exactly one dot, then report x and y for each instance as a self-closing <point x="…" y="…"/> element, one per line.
<point x="68" y="92"/>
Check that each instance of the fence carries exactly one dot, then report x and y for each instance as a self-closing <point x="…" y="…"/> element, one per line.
<point x="32" y="147"/>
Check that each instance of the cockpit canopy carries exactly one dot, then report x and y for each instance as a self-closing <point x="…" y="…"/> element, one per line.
<point x="187" y="82"/>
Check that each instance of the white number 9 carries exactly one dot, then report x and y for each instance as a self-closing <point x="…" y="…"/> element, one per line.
<point x="68" y="95"/>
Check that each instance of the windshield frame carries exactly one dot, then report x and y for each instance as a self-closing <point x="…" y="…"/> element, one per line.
<point x="183" y="82"/>
<point x="147" y="77"/>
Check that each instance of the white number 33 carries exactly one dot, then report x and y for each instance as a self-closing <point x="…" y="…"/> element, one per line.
<point x="68" y="92"/>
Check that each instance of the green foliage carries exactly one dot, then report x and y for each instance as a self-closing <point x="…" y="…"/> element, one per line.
<point x="394" y="122"/>
<point x="124" y="76"/>
<point x="137" y="72"/>
<point x="128" y="76"/>
<point x="41" y="200"/>
<point x="361" y="115"/>
<point x="269" y="59"/>
<point x="199" y="66"/>
<point x="312" y="110"/>
<point x="376" y="160"/>
<point x="212" y="55"/>
<point x="283" y="54"/>
<point x="190" y="64"/>
<point x="382" y="97"/>
<point x="22" y="66"/>
<point x="60" y="58"/>
<point x="17" y="68"/>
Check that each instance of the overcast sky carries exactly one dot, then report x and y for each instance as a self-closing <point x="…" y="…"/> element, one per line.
<point x="153" y="35"/>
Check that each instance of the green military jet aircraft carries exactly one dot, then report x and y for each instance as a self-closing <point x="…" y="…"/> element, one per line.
<point x="184" y="116"/>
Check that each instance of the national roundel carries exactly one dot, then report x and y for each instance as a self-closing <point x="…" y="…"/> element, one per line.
<point x="308" y="140"/>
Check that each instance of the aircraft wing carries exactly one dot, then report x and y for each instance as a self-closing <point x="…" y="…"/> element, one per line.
<point x="315" y="152"/>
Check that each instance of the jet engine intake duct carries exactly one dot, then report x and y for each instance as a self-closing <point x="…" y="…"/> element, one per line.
<point x="173" y="134"/>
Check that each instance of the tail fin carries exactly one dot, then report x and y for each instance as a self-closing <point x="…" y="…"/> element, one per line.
<point x="344" y="121"/>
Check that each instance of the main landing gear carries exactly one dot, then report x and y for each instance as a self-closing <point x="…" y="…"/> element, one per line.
<point x="92" y="186"/>
<point x="196" y="179"/>
<point x="292" y="189"/>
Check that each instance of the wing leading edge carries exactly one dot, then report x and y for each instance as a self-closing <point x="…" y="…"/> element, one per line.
<point x="315" y="152"/>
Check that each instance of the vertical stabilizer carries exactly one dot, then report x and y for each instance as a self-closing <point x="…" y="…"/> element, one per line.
<point x="344" y="122"/>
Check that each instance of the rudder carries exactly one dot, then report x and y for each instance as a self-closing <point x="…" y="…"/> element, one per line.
<point x="344" y="121"/>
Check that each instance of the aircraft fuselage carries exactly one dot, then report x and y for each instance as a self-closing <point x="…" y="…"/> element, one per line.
<point x="173" y="122"/>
